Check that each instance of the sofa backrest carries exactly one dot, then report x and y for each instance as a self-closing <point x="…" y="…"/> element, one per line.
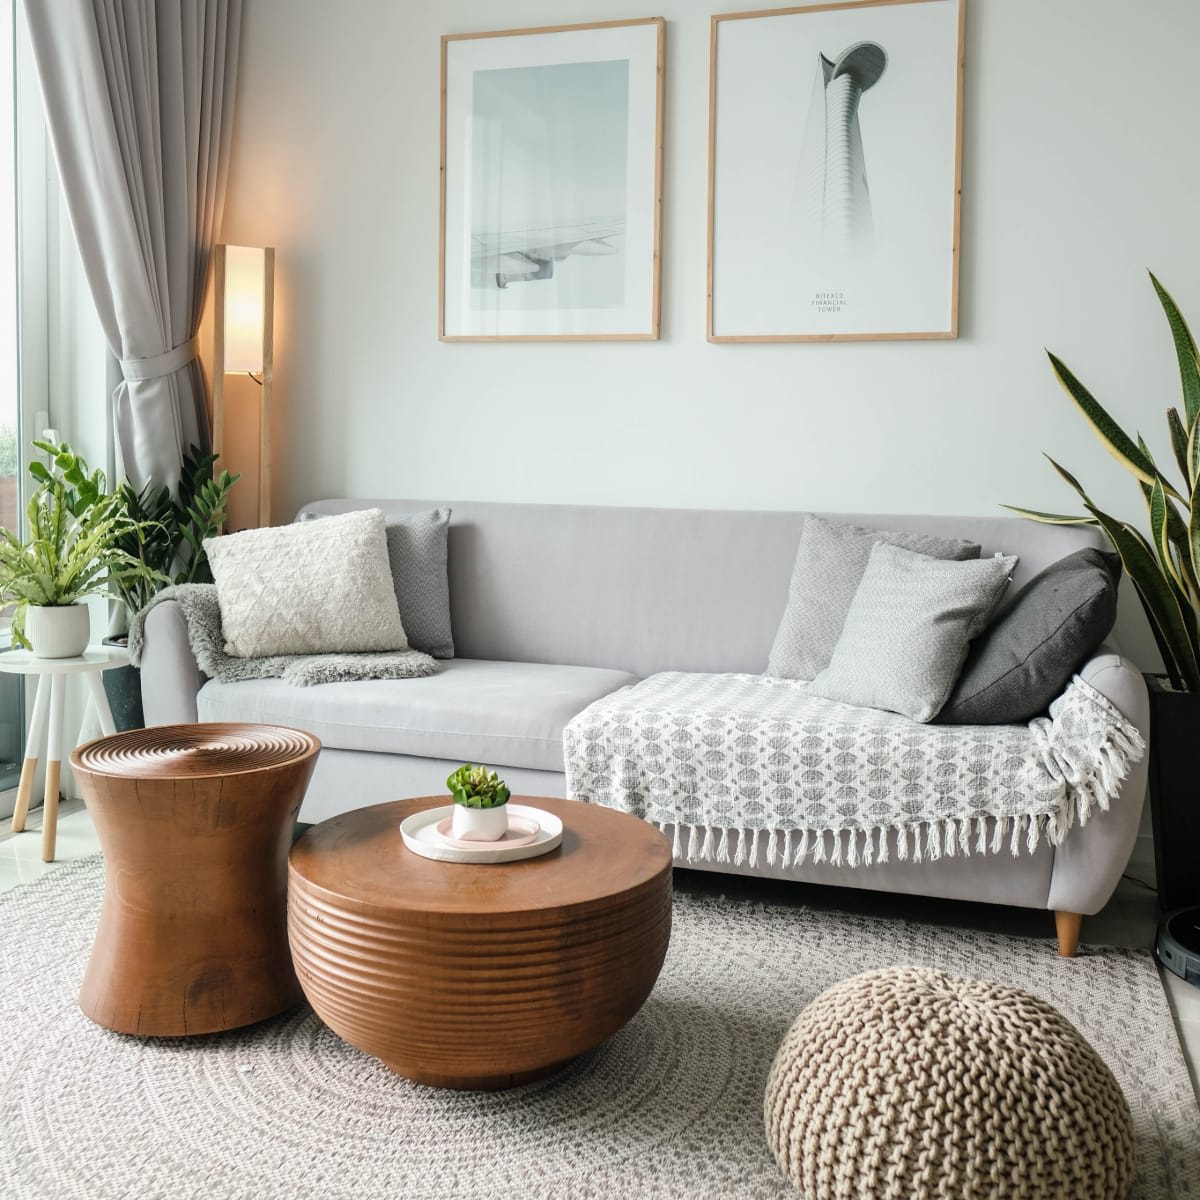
<point x="655" y="589"/>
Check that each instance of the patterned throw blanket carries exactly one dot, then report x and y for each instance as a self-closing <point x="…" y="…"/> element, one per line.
<point x="748" y="765"/>
<point x="202" y="614"/>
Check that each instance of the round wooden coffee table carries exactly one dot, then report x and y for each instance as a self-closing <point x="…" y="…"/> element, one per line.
<point x="478" y="975"/>
<point x="195" y="822"/>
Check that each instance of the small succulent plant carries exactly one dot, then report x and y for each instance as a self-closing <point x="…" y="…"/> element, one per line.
<point x="477" y="787"/>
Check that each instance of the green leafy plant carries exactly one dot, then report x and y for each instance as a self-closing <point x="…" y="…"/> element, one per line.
<point x="74" y="549"/>
<point x="1164" y="567"/>
<point x="166" y="533"/>
<point x="477" y="787"/>
<point x="9" y="452"/>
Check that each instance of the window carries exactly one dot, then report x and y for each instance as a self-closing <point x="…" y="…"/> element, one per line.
<point x="11" y="707"/>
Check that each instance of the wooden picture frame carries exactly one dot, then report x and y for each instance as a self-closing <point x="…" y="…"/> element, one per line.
<point x="822" y="226"/>
<point x="550" y="195"/>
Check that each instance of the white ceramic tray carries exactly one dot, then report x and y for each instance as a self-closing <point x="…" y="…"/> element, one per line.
<point x="421" y="836"/>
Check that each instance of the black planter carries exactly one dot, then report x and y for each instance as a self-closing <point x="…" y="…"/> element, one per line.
<point x="123" y="687"/>
<point x="1175" y="793"/>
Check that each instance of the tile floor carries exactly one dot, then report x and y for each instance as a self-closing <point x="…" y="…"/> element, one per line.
<point x="1127" y="920"/>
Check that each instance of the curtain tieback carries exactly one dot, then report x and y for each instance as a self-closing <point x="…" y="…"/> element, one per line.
<point x="158" y="365"/>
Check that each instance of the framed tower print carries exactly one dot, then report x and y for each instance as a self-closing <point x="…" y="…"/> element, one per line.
<point x="835" y="136"/>
<point x="551" y="183"/>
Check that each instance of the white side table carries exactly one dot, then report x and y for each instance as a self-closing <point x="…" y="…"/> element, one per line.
<point x="51" y="693"/>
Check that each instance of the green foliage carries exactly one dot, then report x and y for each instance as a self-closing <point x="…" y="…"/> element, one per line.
<point x="10" y="458"/>
<point x="1164" y="567"/>
<point x="477" y="787"/>
<point x="74" y="549"/>
<point x="167" y="533"/>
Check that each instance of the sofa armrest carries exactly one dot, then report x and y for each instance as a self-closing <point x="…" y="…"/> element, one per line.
<point x="1092" y="857"/>
<point x="170" y="676"/>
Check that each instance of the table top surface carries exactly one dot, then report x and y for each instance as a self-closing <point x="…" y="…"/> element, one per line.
<point x="196" y="751"/>
<point x="359" y="857"/>
<point x="94" y="658"/>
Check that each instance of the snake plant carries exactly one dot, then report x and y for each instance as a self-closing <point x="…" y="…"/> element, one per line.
<point x="73" y="550"/>
<point x="477" y="787"/>
<point x="1165" y="566"/>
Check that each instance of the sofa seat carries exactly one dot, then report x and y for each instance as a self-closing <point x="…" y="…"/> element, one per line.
<point x="506" y="714"/>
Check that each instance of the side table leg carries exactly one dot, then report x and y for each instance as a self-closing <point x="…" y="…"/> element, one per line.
<point x="100" y="699"/>
<point x="58" y="687"/>
<point x="37" y="724"/>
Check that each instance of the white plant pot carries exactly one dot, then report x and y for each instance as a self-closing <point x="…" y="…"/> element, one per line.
<point x="58" y="631"/>
<point x="479" y="824"/>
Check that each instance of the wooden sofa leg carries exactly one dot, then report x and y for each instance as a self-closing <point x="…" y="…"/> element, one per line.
<point x="1067" y="925"/>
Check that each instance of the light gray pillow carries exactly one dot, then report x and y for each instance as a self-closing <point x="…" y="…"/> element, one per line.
<point x="830" y="562"/>
<point x="314" y="588"/>
<point x="417" y="555"/>
<point x="908" y="630"/>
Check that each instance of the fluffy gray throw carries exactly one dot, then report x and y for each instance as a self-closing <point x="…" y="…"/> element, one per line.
<point x="202" y="613"/>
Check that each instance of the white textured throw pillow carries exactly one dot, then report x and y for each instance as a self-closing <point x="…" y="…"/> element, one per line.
<point x="908" y="630"/>
<point x="317" y="588"/>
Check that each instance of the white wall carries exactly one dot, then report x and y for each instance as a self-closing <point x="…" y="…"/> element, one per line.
<point x="1078" y="175"/>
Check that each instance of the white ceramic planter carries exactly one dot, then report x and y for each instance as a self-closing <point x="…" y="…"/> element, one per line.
<point x="479" y="824"/>
<point x="58" y="631"/>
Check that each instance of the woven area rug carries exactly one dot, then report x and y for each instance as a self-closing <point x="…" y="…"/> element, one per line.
<point x="670" y="1107"/>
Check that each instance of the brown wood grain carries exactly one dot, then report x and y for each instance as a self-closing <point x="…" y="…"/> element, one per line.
<point x="478" y="975"/>
<point x="1067" y="925"/>
<point x="195" y="822"/>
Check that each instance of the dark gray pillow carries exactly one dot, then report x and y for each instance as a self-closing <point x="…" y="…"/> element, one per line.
<point x="1028" y="655"/>
<point x="830" y="562"/>
<point x="417" y="555"/>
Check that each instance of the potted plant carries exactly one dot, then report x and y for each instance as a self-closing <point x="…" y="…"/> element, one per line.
<point x="73" y="551"/>
<point x="480" y="797"/>
<point x="166" y="535"/>
<point x="1165" y="570"/>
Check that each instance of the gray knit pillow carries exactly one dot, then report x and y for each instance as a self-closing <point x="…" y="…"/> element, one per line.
<point x="417" y="556"/>
<point x="830" y="562"/>
<point x="908" y="630"/>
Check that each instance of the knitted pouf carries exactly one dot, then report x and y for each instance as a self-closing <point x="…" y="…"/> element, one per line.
<point x="907" y="1084"/>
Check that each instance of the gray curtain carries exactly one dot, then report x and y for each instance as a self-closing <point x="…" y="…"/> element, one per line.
<point x="139" y="106"/>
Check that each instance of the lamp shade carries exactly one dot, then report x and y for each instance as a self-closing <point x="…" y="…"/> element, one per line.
<point x="245" y="289"/>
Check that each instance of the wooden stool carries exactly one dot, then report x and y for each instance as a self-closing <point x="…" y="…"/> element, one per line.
<point x="51" y="694"/>
<point x="195" y="822"/>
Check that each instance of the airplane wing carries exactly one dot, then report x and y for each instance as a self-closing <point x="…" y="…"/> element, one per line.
<point x="546" y="241"/>
<point x="518" y="255"/>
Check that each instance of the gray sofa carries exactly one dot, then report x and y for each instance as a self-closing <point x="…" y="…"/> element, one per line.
<point x="555" y="606"/>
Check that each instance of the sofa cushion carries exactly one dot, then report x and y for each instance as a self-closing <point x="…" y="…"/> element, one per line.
<point x="908" y="630"/>
<point x="503" y="714"/>
<point x="321" y="587"/>
<point x="1028" y="655"/>
<point x="830" y="562"/>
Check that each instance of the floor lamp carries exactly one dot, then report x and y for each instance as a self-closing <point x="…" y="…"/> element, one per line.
<point x="244" y="291"/>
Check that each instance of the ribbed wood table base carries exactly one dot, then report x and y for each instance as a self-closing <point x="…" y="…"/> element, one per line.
<point x="195" y="822"/>
<point x="472" y="975"/>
